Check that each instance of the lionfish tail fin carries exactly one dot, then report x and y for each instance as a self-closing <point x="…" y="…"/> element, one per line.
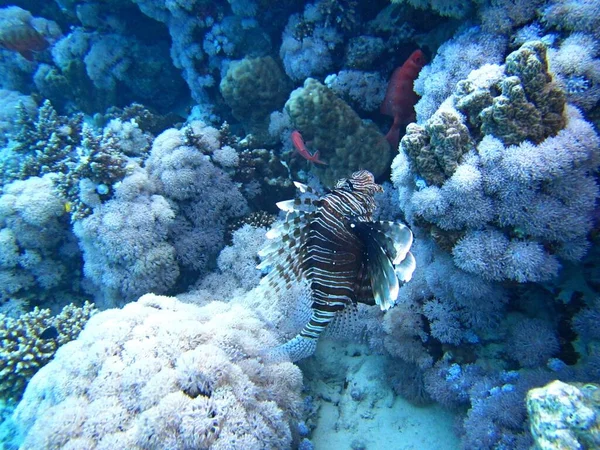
<point x="295" y="349"/>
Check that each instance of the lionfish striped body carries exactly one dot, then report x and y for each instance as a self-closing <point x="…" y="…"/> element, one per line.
<point x="332" y="242"/>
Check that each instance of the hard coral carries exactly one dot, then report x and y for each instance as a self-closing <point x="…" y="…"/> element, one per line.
<point x="164" y="374"/>
<point x="345" y="142"/>
<point x="564" y="415"/>
<point x="29" y="342"/>
<point x="254" y="87"/>
<point x="531" y="105"/>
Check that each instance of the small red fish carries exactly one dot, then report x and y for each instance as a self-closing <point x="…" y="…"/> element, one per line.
<point x="301" y="148"/>
<point x="21" y="37"/>
<point x="400" y="97"/>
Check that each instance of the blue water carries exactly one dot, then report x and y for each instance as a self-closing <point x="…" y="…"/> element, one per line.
<point x="146" y="147"/>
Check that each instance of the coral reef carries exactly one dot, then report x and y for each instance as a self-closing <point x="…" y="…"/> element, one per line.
<point x="345" y="142"/>
<point x="161" y="373"/>
<point x="29" y="342"/>
<point x="145" y="145"/>
<point x="564" y="415"/>
<point x="479" y="171"/>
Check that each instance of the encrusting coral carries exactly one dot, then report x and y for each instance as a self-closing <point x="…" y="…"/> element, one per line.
<point x="29" y="342"/>
<point x="565" y="415"/>
<point x="161" y="374"/>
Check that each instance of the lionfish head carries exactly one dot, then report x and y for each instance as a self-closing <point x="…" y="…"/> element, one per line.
<point x="362" y="181"/>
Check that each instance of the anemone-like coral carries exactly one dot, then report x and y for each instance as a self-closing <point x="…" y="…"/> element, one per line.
<point x="204" y="196"/>
<point x="164" y="374"/>
<point x="124" y="243"/>
<point x="38" y="254"/>
<point x="520" y="193"/>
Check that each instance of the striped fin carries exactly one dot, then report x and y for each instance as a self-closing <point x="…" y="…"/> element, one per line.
<point x="405" y="269"/>
<point x="384" y="242"/>
<point x="284" y="254"/>
<point x="345" y="323"/>
<point x="308" y="202"/>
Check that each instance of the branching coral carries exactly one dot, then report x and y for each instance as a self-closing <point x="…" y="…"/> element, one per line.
<point x="163" y="374"/>
<point x="45" y="141"/>
<point x="86" y="163"/>
<point x="29" y="342"/>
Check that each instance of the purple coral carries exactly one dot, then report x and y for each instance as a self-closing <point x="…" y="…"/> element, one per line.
<point x="532" y="342"/>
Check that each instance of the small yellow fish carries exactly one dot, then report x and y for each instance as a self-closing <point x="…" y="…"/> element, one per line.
<point x="68" y="207"/>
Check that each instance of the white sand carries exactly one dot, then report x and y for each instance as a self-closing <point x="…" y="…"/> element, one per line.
<point x="379" y="419"/>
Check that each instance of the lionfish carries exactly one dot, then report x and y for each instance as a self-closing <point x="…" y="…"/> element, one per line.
<point x="332" y="242"/>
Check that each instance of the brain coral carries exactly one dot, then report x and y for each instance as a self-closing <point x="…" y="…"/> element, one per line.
<point x="345" y="142"/>
<point x="162" y="374"/>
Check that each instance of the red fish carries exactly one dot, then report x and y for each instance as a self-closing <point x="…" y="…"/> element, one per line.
<point x="301" y="148"/>
<point x="400" y="98"/>
<point x="21" y="37"/>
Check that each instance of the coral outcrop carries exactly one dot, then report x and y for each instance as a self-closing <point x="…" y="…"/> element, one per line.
<point x="565" y="415"/>
<point x="160" y="374"/>
<point x="500" y="174"/>
<point x="346" y="143"/>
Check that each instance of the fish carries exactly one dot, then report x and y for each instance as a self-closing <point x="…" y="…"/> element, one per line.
<point x="298" y="142"/>
<point x="22" y="38"/>
<point x="400" y="97"/>
<point x="332" y="242"/>
<point x="49" y="333"/>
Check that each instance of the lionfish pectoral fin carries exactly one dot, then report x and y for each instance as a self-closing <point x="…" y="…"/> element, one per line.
<point x="28" y="55"/>
<point x="403" y="239"/>
<point x="404" y="270"/>
<point x="384" y="282"/>
<point x="286" y="205"/>
<point x="301" y="187"/>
